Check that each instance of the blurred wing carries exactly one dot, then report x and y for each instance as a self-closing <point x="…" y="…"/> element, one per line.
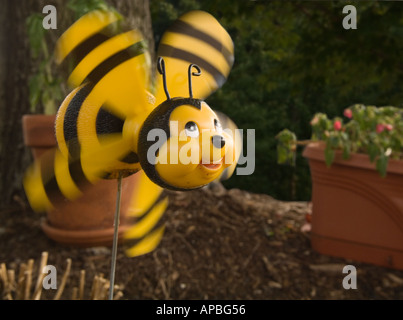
<point x="147" y="208"/>
<point x="231" y="128"/>
<point x="115" y="63"/>
<point x="198" y="38"/>
<point x="53" y="176"/>
<point x="105" y="158"/>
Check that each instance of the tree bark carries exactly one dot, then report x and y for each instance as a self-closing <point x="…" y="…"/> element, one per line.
<point x="137" y="13"/>
<point x="14" y="102"/>
<point x="16" y="66"/>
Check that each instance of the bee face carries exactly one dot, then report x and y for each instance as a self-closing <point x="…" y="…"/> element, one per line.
<point x="196" y="150"/>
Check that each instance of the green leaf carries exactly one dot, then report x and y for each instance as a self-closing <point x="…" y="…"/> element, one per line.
<point x="329" y="156"/>
<point x="286" y="146"/>
<point x="382" y="164"/>
<point x="50" y="107"/>
<point x="36" y="33"/>
<point x="81" y="7"/>
<point x="346" y="150"/>
<point x="373" y="152"/>
<point x="35" y="85"/>
<point x="285" y="155"/>
<point x="333" y="140"/>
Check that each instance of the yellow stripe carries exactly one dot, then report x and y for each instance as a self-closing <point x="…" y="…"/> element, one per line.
<point x="82" y="29"/>
<point x="102" y="52"/>
<point x="145" y="195"/>
<point x="62" y="173"/>
<point x="122" y="90"/>
<point x="146" y="245"/>
<point x="147" y="223"/>
<point x="98" y="158"/>
<point x="35" y="190"/>
<point x="198" y="48"/>
<point x="206" y="23"/>
<point x="177" y="70"/>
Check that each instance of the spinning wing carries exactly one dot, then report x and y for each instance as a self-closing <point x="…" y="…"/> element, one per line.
<point x="195" y="38"/>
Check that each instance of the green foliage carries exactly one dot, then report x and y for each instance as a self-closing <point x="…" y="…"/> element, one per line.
<point x="294" y="59"/>
<point x="36" y="33"/>
<point x="286" y="145"/>
<point x="46" y="87"/>
<point x="81" y="7"/>
<point x="377" y="132"/>
<point x="45" y="90"/>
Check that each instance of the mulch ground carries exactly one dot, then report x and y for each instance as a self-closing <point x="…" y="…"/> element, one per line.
<point x="218" y="244"/>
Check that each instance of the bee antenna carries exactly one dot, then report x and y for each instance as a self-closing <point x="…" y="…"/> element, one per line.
<point x="190" y="74"/>
<point x="161" y="70"/>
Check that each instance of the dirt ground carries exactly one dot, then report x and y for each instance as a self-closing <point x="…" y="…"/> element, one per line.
<point x="218" y="244"/>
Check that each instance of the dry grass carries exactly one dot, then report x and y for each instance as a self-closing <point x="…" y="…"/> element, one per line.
<point x="28" y="285"/>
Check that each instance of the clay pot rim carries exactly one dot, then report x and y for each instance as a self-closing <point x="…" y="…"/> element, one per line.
<point x="82" y="238"/>
<point x="38" y="130"/>
<point x="315" y="151"/>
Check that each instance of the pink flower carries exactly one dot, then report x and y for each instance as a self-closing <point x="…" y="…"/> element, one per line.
<point x="389" y="127"/>
<point x="348" y="113"/>
<point x="337" y="125"/>
<point x="380" y="127"/>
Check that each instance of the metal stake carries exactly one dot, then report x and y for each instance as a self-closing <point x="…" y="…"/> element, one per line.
<point x="115" y="237"/>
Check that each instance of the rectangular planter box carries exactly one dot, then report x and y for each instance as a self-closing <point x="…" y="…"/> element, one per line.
<point x="356" y="214"/>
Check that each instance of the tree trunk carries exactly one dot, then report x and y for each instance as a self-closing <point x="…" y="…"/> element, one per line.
<point x="16" y="66"/>
<point x="137" y="13"/>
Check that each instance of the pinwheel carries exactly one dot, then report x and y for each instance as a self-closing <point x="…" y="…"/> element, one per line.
<point x="113" y="124"/>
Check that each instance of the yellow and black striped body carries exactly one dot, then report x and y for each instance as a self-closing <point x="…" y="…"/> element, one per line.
<point x="98" y="124"/>
<point x="110" y="71"/>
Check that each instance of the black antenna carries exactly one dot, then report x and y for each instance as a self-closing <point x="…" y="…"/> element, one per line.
<point x="161" y="70"/>
<point x="198" y="73"/>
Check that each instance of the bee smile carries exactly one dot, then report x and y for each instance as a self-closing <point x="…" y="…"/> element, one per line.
<point x="212" y="166"/>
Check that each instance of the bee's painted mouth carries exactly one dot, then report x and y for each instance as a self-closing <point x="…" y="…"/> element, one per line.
<point x="212" y="166"/>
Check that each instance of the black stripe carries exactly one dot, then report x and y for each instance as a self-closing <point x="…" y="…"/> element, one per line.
<point x="77" y="174"/>
<point x="70" y="120"/>
<point x="169" y="51"/>
<point x="131" y="158"/>
<point x="132" y="242"/>
<point x="113" y="61"/>
<point x="162" y="221"/>
<point x="108" y="123"/>
<point x="53" y="191"/>
<point x="51" y="187"/>
<point x="114" y="174"/>
<point x="184" y="28"/>
<point x="159" y="199"/>
<point x="87" y="45"/>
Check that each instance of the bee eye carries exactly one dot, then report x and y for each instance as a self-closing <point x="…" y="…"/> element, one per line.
<point x="217" y="125"/>
<point x="191" y="129"/>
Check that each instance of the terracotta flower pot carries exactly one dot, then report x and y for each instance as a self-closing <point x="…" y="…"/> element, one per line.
<point x="357" y="214"/>
<point x="88" y="221"/>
